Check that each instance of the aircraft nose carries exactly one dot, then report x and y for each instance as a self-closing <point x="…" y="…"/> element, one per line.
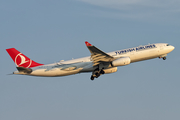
<point x="173" y="48"/>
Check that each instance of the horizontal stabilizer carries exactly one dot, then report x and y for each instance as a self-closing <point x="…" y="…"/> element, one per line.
<point x="23" y="69"/>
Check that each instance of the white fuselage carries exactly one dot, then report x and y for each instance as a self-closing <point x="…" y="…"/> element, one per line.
<point x="86" y="65"/>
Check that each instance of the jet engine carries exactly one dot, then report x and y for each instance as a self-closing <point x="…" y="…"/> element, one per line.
<point x="121" y="62"/>
<point x="110" y="70"/>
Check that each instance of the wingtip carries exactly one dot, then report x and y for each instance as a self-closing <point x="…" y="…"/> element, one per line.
<point x="87" y="43"/>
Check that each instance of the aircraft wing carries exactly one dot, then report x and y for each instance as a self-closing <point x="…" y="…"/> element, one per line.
<point x="98" y="56"/>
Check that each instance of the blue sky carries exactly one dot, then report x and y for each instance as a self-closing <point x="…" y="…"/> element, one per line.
<point x="50" y="31"/>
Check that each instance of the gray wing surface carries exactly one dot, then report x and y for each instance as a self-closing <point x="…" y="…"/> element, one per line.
<point x="98" y="56"/>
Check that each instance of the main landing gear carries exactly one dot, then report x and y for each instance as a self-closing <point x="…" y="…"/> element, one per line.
<point x="97" y="73"/>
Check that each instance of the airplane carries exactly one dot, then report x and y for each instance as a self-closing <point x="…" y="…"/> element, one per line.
<point x="98" y="63"/>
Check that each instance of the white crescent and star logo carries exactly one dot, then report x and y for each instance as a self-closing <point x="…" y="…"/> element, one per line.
<point x="22" y="61"/>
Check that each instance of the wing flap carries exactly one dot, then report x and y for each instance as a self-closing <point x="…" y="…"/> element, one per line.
<point x="98" y="56"/>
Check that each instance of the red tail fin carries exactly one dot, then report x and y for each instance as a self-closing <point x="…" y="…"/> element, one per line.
<point x="21" y="60"/>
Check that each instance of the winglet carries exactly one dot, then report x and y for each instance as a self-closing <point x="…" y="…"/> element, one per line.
<point x="87" y="43"/>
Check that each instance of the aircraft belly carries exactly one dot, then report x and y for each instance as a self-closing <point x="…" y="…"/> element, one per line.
<point x="64" y="73"/>
<point x="43" y="72"/>
<point x="54" y="72"/>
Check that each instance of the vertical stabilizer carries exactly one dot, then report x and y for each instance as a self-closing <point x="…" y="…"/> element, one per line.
<point x="21" y="60"/>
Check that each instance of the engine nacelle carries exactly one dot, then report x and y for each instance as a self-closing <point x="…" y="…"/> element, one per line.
<point x="121" y="62"/>
<point x="110" y="70"/>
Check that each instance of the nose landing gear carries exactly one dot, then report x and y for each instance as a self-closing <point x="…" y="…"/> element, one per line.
<point x="164" y="58"/>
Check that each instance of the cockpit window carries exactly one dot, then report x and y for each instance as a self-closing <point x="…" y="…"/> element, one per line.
<point x="167" y="45"/>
